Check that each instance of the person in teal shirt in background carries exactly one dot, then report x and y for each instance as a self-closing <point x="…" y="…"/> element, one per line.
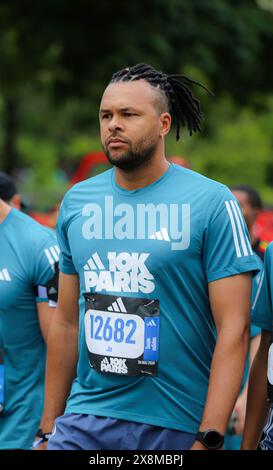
<point x="251" y="204"/>
<point x="233" y="437"/>
<point x="259" y="415"/>
<point x="28" y="252"/>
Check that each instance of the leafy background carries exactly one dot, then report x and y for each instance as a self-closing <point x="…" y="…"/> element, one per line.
<point x="56" y="57"/>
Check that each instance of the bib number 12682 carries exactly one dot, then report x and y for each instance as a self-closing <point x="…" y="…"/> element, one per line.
<point x="114" y="334"/>
<point x="122" y="334"/>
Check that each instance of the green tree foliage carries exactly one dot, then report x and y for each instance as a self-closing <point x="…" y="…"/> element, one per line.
<point x="56" y="57"/>
<point x="236" y="147"/>
<point x="78" y="46"/>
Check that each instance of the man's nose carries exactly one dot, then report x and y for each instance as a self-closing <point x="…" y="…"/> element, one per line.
<point x="115" y="124"/>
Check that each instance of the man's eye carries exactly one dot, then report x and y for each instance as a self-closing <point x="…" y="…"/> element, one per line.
<point x="105" y="116"/>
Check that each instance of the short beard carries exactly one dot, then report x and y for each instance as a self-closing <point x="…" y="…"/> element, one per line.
<point x="133" y="159"/>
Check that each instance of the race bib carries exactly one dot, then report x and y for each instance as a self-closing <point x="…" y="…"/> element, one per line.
<point x="122" y="334"/>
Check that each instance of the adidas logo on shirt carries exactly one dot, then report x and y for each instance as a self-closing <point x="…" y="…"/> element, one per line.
<point x="117" y="306"/>
<point x="162" y="235"/>
<point x="125" y="272"/>
<point x="52" y="253"/>
<point x="94" y="263"/>
<point x="4" y="275"/>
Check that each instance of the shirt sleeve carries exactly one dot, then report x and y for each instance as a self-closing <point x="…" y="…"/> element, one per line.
<point x="262" y="311"/>
<point x="227" y="250"/>
<point x="254" y="331"/>
<point x="47" y="254"/>
<point x="66" y="264"/>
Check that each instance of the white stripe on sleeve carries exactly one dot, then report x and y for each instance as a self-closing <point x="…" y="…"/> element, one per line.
<point x="258" y="291"/>
<point x="49" y="257"/>
<point x="54" y="254"/>
<point x="235" y="237"/>
<point x="243" y="225"/>
<point x="243" y="242"/>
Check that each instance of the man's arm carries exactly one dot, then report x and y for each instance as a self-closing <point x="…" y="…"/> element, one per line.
<point x="45" y="315"/>
<point x="230" y="304"/>
<point x="257" y="405"/>
<point x="62" y="352"/>
<point x="240" y="406"/>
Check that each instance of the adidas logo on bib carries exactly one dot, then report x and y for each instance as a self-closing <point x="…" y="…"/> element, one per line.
<point x="114" y="365"/>
<point x="117" y="306"/>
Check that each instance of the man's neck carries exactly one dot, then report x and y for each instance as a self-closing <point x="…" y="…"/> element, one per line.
<point x="4" y="210"/>
<point x="143" y="176"/>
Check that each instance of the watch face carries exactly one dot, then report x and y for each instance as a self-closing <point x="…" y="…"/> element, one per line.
<point x="213" y="439"/>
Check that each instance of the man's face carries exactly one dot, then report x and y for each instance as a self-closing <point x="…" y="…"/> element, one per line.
<point x="250" y="213"/>
<point x="130" y="123"/>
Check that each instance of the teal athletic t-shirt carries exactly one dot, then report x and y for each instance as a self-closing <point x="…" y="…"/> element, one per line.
<point x="146" y="332"/>
<point x="254" y="330"/>
<point x="262" y="311"/>
<point x="27" y="255"/>
<point x="262" y="308"/>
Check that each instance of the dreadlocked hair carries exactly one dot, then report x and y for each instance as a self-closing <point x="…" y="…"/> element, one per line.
<point x="183" y="105"/>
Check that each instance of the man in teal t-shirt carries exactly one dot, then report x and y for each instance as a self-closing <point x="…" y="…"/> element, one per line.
<point x="251" y="205"/>
<point x="233" y="438"/>
<point x="28" y="252"/>
<point x="259" y="416"/>
<point x="157" y="260"/>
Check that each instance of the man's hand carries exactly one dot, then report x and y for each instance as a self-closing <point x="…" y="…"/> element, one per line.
<point x="41" y="439"/>
<point x="198" y="446"/>
<point x="37" y="446"/>
<point x="240" y="411"/>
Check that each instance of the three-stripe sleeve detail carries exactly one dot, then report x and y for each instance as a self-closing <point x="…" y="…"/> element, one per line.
<point x="240" y="237"/>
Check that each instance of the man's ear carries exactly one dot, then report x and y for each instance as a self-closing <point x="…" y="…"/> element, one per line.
<point x="165" y="124"/>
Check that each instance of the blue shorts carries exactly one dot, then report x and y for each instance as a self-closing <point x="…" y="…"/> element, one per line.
<point x="87" y="432"/>
<point x="267" y="439"/>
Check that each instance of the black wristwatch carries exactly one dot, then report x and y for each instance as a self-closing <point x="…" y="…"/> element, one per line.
<point x="45" y="436"/>
<point x="211" y="439"/>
